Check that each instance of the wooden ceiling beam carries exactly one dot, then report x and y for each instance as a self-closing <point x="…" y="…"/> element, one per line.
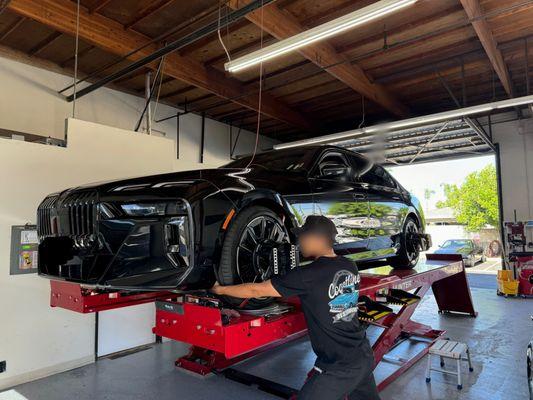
<point x="484" y="33"/>
<point x="110" y="36"/>
<point x="283" y="25"/>
<point x="144" y="13"/>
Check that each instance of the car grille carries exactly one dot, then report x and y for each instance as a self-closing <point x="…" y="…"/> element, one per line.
<point x="71" y="214"/>
<point x="44" y="216"/>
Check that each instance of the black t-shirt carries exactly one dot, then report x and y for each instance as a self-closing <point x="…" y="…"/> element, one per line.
<point x="329" y="291"/>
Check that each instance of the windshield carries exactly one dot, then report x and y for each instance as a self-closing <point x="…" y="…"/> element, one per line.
<point x="457" y="243"/>
<point x="275" y="160"/>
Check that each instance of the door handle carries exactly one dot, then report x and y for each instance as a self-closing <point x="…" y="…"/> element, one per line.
<point x="358" y="196"/>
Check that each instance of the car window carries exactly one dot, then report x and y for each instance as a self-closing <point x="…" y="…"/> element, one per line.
<point x="378" y="176"/>
<point x="457" y="243"/>
<point x="360" y="164"/>
<point x="330" y="164"/>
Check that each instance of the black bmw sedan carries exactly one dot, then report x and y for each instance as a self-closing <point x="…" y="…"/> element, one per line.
<point x="181" y="231"/>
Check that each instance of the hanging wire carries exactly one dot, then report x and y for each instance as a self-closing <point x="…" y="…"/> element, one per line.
<point x="260" y="95"/>
<point x="218" y="32"/>
<point x="134" y="51"/>
<point x="159" y="89"/>
<point x="363" y="108"/>
<point x="76" y="58"/>
<point x="152" y="88"/>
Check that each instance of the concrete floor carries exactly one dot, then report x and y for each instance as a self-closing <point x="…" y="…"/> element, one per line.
<point x="491" y="266"/>
<point x="497" y="338"/>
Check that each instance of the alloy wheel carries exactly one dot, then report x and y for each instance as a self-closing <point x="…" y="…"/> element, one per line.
<point x="411" y="245"/>
<point x="254" y="252"/>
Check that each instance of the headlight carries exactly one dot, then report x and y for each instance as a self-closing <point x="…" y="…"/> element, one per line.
<point x="153" y="209"/>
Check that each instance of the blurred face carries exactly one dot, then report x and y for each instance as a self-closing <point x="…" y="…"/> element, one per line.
<point x="312" y="245"/>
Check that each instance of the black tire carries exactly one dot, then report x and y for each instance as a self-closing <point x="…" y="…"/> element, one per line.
<point x="229" y="272"/>
<point x="407" y="256"/>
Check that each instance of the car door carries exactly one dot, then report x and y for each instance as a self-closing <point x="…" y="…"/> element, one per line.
<point x="387" y="211"/>
<point x="338" y="196"/>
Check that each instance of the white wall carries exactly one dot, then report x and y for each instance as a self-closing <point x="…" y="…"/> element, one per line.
<point x="516" y="150"/>
<point x="29" y="103"/>
<point x="34" y="339"/>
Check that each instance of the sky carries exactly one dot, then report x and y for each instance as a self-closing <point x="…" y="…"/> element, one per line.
<point x="416" y="178"/>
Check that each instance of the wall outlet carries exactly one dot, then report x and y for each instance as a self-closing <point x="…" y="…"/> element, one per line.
<point x="2" y="366"/>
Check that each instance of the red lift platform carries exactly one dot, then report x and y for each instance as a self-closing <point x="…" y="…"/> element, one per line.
<point x="222" y="338"/>
<point x="219" y="340"/>
<point x="74" y="297"/>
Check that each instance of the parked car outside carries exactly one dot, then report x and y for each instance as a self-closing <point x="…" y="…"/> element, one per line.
<point x="472" y="252"/>
<point x="181" y="231"/>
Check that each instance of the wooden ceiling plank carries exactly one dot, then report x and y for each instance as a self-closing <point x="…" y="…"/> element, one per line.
<point x="80" y="55"/>
<point x="282" y="25"/>
<point x="178" y="92"/>
<point x="130" y="76"/>
<point x="98" y="5"/>
<point x="442" y="57"/>
<point x="111" y="36"/>
<point x="43" y="44"/>
<point x="484" y="33"/>
<point x="3" y="5"/>
<point x="144" y="13"/>
<point x="12" y="28"/>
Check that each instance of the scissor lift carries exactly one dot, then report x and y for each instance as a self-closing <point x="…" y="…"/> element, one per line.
<point x="221" y="338"/>
<point x="219" y="341"/>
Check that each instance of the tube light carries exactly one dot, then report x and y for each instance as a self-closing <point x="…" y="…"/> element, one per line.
<point x="411" y="122"/>
<point x="349" y="21"/>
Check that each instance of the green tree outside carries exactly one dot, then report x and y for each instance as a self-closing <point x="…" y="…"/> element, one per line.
<point x="475" y="202"/>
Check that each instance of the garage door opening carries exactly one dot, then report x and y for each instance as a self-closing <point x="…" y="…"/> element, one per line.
<point x="461" y="206"/>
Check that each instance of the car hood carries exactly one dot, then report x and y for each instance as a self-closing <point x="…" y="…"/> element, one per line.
<point x="162" y="180"/>
<point x="193" y="184"/>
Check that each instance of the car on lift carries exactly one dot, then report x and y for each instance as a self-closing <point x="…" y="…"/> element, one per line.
<point x="181" y="231"/>
<point x="471" y="251"/>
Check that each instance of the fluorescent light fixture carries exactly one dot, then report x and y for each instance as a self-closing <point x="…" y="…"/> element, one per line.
<point x="349" y="21"/>
<point x="411" y="122"/>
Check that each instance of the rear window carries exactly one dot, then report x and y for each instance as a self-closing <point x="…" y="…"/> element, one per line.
<point x="378" y="176"/>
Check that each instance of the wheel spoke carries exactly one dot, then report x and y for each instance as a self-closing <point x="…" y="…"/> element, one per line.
<point x="273" y="232"/>
<point x="281" y="234"/>
<point x="243" y="247"/>
<point x="252" y="235"/>
<point x="263" y="228"/>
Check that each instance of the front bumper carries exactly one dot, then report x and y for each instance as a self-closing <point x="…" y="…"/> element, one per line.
<point x="79" y="244"/>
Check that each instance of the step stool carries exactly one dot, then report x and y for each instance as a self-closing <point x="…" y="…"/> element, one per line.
<point x="449" y="349"/>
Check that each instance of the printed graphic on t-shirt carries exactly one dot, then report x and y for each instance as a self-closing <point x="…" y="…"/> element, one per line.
<point x="344" y="292"/>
